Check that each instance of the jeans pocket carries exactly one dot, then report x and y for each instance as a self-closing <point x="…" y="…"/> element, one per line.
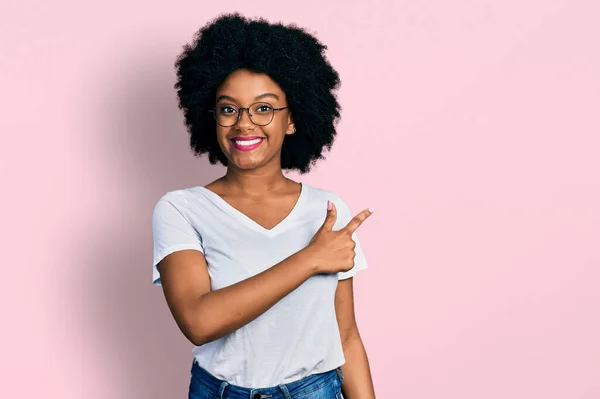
<point x="197" y="390"/>
<point x="196" y="394"/>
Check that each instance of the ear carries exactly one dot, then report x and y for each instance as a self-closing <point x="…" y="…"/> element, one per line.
<point x="291" y="129"/>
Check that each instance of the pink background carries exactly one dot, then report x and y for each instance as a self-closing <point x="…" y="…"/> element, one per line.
<point x="471" y="126"/>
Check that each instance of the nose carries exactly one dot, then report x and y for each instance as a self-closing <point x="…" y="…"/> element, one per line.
<point x="245" y="121"/>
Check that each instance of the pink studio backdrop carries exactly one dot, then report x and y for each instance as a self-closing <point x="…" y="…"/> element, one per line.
<point x="471" y="127"/>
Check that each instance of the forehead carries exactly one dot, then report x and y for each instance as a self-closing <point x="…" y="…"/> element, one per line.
<point x="244" y="85"/>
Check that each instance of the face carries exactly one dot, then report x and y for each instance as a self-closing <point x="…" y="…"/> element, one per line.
<point x="246" y="145"/>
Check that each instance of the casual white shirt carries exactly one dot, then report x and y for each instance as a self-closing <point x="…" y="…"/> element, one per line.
<point x="299" y="335"/>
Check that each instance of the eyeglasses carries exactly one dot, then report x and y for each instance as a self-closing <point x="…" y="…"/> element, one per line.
<point x="260" y="113"/>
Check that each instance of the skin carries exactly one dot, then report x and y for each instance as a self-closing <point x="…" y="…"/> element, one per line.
<point x="254" y="180"/>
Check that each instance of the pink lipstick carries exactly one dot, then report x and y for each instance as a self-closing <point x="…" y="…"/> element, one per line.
<point x="247" y="143"/>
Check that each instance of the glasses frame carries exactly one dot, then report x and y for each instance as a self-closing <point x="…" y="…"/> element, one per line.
<point x="241" y="109"/>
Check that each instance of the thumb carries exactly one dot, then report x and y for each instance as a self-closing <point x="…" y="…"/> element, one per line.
<point x="331" y="216"/>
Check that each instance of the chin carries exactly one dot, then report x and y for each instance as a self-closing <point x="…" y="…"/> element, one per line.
<point x="246" y="164"/>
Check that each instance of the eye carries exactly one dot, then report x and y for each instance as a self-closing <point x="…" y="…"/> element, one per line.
<point x="226" y="109"/>
<point x="263" y="108"/>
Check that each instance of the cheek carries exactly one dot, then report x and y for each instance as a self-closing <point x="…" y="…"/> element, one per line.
<point x="275" y="134"/>
<point x="222" y="139"/>
<point x="221" y="133"/>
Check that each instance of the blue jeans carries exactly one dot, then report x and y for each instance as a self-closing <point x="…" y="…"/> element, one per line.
<point x="327" y="385"/>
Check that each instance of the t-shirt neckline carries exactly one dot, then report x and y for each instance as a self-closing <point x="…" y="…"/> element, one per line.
<point x="242" y="217"/>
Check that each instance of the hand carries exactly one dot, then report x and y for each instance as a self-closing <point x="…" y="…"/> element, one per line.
<point x="333" y="251"/>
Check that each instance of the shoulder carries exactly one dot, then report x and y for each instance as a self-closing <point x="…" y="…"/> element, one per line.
<point x="178" y="199"/>
<point x="324" y="195"/>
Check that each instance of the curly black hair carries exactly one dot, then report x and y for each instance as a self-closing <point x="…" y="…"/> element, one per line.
<point x="290" y="56"/>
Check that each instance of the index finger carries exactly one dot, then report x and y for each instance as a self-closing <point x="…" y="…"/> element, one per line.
<point x="358" y="220"/>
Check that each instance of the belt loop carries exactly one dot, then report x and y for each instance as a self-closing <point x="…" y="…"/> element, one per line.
<point x="286" y="393"/>
<point x="222" y="389"/>
<point x="340" y="374"/>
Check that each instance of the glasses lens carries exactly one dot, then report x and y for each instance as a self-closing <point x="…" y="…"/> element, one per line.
<point x="226" y="114"/>
<point x="262" y="113"/>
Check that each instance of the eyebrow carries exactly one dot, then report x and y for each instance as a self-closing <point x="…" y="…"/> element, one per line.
<point x="224" y="97"/>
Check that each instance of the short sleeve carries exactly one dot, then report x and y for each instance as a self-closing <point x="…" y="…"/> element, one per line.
<point x="344" y="215"/>
<point x="171" y="232"/>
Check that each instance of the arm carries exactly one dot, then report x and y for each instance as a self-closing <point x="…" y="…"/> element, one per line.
<point x="203" y="315"/>
<point x="358" y="383"/>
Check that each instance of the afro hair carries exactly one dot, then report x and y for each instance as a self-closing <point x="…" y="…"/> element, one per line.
<point x="290" y="56"/>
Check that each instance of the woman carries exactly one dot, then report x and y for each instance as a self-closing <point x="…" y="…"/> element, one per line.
<point x="257" y="268"/>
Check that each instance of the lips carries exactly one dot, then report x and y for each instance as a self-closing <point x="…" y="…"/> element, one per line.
<point x="247" y="143"/>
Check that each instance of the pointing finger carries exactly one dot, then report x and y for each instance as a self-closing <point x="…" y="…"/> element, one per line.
<point x="358" y="220"/>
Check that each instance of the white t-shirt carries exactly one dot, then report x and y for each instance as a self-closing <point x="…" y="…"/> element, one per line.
<point x="299" y="335"/>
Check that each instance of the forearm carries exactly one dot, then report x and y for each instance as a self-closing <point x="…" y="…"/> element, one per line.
<point x="358" y="383"/>
<point x="225" y="310"/>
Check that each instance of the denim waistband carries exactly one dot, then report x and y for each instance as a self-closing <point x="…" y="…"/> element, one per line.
<point x="223" y="389"/>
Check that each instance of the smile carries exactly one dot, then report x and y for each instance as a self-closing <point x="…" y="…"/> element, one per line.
<point x="247" y="143"/>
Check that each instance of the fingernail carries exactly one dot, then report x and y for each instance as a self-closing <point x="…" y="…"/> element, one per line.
<point x="329" y="205"/>
<point x="371" y="210"/>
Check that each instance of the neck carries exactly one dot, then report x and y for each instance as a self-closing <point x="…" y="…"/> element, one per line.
<point x="255" y="181"/>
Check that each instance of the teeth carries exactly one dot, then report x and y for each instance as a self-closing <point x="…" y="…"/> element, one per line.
<point x="247" y="142"/>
